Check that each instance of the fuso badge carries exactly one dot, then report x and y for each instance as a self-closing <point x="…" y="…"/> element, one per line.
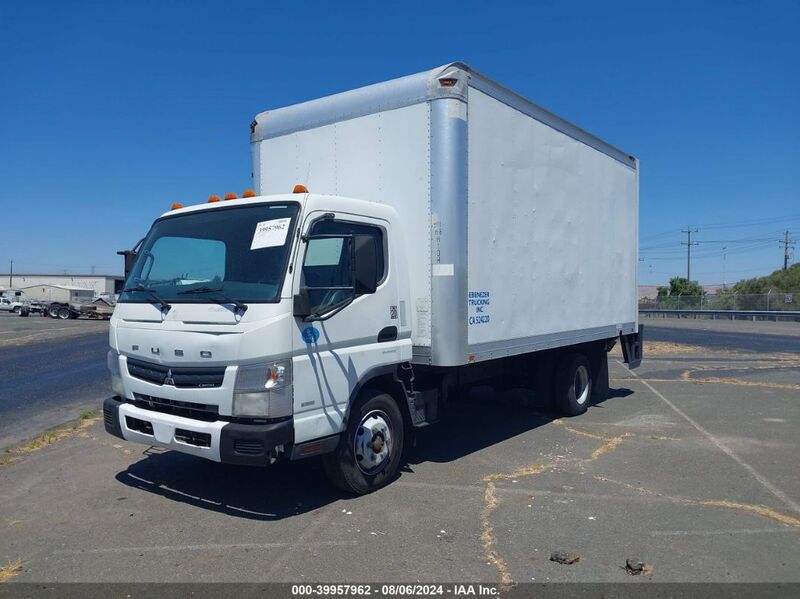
<point x="310" y="334"/>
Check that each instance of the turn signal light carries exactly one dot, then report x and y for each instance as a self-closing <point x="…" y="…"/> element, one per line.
<point x="300" y="189"/>
<point x="176" y="205"/>
<point x="213" y="199"/>
<point x="230" y="196"/>
<point x="248" y="193"/>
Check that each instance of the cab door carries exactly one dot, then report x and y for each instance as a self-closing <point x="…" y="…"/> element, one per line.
<point x="353" y="333"/>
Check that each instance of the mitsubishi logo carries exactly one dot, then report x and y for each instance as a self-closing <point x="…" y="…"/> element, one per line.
<point x="168" y="380"/>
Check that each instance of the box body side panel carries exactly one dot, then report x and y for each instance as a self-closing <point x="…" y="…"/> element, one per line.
<point x="382" y="157"/>
<point x="552" y="235"/>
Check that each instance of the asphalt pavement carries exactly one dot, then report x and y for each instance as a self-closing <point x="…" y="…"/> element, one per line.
<point x="688" y="467"/>
<point x="51" y="371"/>
<point x="731" y="335"/>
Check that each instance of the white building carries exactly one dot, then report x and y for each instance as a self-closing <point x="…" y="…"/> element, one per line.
<point x="97" y="283"/>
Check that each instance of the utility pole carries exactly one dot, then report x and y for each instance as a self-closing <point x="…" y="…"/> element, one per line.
<point x="689" y="243"/>
<point x="787" y="243"/>
<point x="724" y="255"/>
<point x="11" y="276"/>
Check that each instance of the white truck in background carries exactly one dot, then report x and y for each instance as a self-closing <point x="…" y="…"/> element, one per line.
<point x="443" y="232"/>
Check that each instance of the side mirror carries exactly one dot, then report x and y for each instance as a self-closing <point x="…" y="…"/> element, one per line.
<point x="130" y="259"/>
<point x="301" y="307"/>
<point x="364" y="264"/>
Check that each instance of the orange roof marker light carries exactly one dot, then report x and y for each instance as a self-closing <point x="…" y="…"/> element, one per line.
<point x="231" y="196"/>
<point x="300" y="189"/>
<point x="248" y="193"/>
<point x="176" y="206"/>
<point x="214" y="198"/>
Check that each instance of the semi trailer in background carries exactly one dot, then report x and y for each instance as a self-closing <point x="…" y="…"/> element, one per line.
<point x="57" y="301"/>
<point x="405" y="241"/>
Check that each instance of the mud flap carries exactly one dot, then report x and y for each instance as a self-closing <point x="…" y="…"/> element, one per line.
<point x="632" y="347"/>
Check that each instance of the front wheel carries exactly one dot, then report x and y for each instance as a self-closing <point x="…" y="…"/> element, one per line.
<point x="573" y="385"/>
<point x="369" y="452"/>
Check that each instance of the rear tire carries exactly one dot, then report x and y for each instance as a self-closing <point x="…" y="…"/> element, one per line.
<point x="573" y="385"/>
<point x="370" y="450"/>
<point x="64" y="313"/>
<point x="17" y="310"/>
<point x="52" y="310"/>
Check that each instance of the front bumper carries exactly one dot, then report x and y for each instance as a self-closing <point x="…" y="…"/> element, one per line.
<point x="220" y="441"/>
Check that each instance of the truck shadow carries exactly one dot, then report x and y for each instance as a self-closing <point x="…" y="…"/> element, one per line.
<point x="276" y="492"/>
<point x="481" y="419"/>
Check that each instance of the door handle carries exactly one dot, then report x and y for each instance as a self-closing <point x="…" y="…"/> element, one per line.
<point x="387" y="334"/>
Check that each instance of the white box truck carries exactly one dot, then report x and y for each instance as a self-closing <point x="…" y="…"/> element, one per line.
<point x="442" y="231"/>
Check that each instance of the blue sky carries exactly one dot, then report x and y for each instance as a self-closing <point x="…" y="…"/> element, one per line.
<point x="111" y="111"/>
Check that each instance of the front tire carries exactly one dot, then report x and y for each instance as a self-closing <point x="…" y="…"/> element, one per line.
<point x="370" y="450"/>
<point x="573" y="385"/>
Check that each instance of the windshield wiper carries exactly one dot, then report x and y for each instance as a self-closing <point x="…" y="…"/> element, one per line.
<point x="165" y="306"/>
<point x="223" y="299"/>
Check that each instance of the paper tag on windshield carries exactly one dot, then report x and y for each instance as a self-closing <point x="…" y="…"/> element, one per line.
<point x="270" y="233"/>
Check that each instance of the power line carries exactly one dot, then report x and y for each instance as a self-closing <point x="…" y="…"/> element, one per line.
<point x="750" y="222"/>
<point x="704" y="254"/>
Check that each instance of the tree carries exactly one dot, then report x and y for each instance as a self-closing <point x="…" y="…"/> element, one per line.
<point x="681" y="293"/>
<point x="682" y="286"/>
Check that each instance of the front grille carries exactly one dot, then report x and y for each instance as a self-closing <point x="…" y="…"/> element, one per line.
<point x="187" y="409"/>
<point x="248" y="447"/>
<point x="193" y="437"/>
<point x="181" y="377"/>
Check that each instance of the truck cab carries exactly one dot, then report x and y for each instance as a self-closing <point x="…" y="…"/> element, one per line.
<point x="250" y="328"/>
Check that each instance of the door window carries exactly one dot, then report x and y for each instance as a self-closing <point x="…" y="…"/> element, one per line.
<point x="327" y="263"/>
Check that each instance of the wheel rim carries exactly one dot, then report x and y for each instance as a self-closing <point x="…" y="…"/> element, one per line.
<point x="373" y="442"/>
<point x="580" y="384"/>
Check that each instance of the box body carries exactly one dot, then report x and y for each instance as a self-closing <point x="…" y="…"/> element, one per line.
<point x="521" y="230"/>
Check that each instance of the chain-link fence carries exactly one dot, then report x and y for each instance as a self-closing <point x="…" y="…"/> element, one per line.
<point x="725" y="300"/>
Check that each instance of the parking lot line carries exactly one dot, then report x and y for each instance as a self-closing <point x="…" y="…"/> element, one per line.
<point x="788" y="501"/>
<point x="200" y="547"/>
<point x="712" y="533"/>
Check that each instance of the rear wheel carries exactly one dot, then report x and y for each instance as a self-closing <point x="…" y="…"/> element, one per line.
<point x="369" y="452"/>
<point x="17" y="310"/>
<point x="573" y="385"/>
<point x="52" y="310"/>
<point x="64" y="313"/>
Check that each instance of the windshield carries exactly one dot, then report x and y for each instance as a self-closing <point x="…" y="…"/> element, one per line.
<point x="240" y="252"/>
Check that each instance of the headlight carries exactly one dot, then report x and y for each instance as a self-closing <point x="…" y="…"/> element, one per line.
<point x="263" y="390"/>
<point x="112" y="360"/>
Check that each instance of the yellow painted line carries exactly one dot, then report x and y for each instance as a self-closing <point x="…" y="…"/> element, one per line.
<point x="785" y="499"/>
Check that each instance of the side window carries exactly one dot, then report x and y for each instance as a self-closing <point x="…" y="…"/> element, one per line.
<point x="327" y="263"/>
